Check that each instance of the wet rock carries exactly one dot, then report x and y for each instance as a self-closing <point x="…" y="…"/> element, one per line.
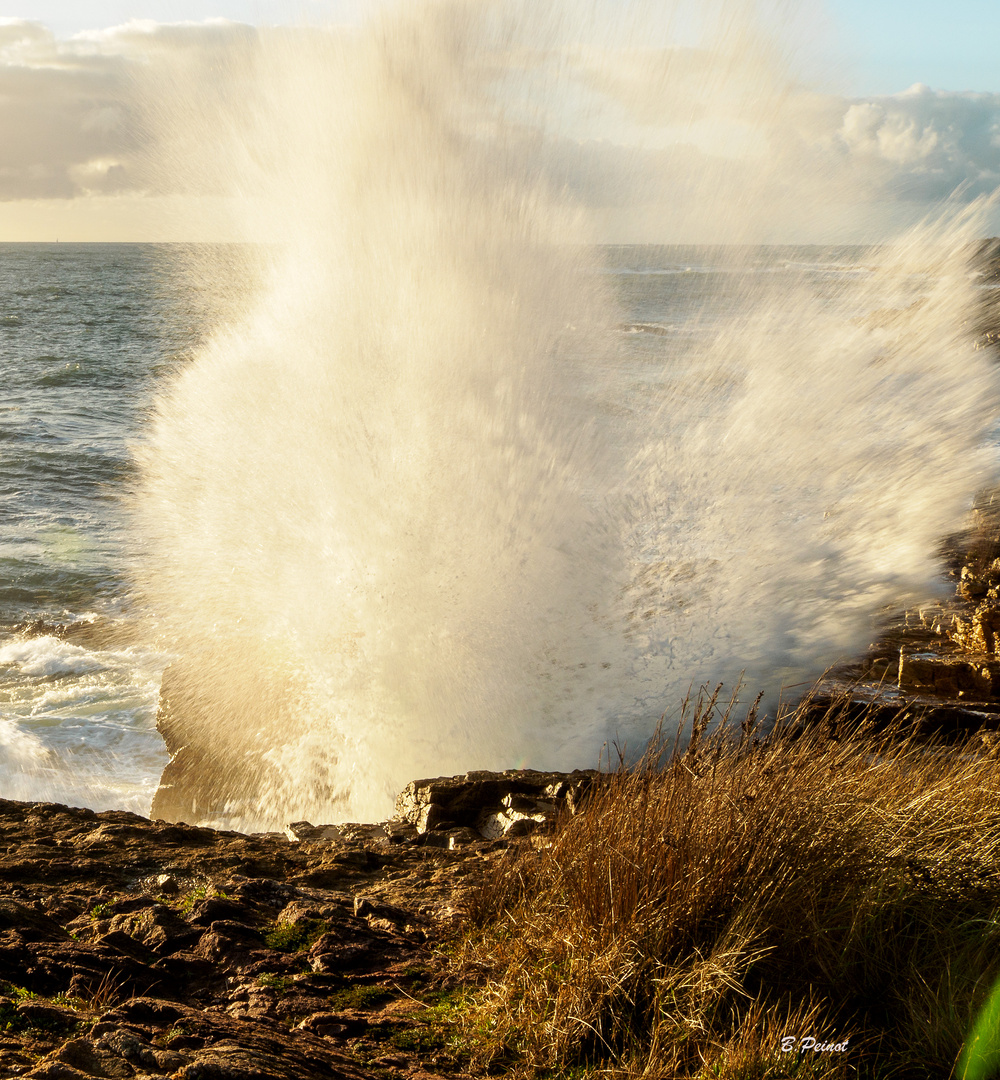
<point x="349" y="832"/>
<point x="980" y="632"/>
<point x="972" y="586"/>
<point x="969" y="677"/>
<point x="269" y="955"/>
<point x="401" y="832"/>
<point x="304" y="830"/>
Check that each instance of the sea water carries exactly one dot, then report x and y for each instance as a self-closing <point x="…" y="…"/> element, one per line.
<point x="85" y="333"/>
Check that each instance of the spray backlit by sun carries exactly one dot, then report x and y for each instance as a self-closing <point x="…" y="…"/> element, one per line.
<point x="413" y="512"/>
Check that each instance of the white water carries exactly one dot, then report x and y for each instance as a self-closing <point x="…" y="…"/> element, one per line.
<point x="75" y="724"/>
<point x="416" y="509"/>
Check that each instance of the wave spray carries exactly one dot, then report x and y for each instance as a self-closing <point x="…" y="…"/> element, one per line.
<point x="417" y="507"/>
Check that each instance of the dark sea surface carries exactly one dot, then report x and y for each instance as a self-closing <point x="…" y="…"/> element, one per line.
<point x="85" y="333"/>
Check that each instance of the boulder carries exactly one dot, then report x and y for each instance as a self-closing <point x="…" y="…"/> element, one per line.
<point x="964" y="677"/>
<point x="492" y="803"/>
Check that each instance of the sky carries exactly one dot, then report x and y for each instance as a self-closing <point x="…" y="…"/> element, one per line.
<point x="882" y="110"/>
<point x="885" y="45"/>
<point x="892" y="44"/>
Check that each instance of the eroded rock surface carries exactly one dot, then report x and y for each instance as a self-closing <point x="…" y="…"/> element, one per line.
<point x="143" y="949"/>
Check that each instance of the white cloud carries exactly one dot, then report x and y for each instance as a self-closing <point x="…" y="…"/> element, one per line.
<point x="667" y="130"/>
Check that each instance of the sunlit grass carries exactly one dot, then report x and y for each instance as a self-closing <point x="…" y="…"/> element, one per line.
<point x="813" y="883"/>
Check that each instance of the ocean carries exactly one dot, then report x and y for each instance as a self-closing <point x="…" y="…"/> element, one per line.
<point x="86" y="332"/>
<point x="734" y="561"/>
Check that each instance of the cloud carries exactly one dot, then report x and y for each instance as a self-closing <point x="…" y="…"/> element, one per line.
<point x="170" y="109"/>
<point x="923" y="144"/>
<point x="60" y="113"/>
<point x="74" y="115"/>
<point x="736" y="102"/>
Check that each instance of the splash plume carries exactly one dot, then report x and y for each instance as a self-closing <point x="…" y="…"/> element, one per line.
<point x="414" y="509"/>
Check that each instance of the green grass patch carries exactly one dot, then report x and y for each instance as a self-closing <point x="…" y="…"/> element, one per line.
<point x="200" y="892"/>
<point x="18" y="993"/>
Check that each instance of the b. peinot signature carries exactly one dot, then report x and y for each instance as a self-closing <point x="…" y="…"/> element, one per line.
<point x="810" y="1042"/>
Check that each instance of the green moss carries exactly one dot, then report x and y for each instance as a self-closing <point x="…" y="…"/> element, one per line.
<point x="418" y="1040"/>
<point x="295" y="937"/>
<point x="202" y="892"/>
<point x="359" y="997"/>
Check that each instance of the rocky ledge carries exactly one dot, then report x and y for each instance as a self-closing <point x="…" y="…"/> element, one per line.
<point x="936" y="668"/>
<point x="143" y="949"/>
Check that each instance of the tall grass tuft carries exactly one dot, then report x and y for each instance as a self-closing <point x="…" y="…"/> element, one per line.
<point x="840" y="885"/>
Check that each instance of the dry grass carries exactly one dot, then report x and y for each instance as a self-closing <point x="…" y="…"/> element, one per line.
<point x="711" y="902"/>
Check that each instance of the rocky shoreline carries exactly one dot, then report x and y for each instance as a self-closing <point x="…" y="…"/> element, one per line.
<point x="142" y="949"/>
<point x="935" y="668"/>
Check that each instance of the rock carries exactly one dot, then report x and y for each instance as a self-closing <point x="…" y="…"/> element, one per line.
<point x="461" y="836"/>
<point x="979" y="633"/>
<point x="470" y="800"/>
<point x="93" y="1059"/>
<point x="401" y="832"/>
<point x="291" y="958"/>
<point x="166" y="884"/>
<point x="30" y="925"/>
<point x="517" y="816"/>
<point x="304" y="830"/>
<point x="56" y="1070"/>
<point x="971" y="586"/>
<point x="328" y="1024"/>
<point x="125" y="1043"/>
<point x="950" y="676"/>
<point x="39" y="1014"/>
